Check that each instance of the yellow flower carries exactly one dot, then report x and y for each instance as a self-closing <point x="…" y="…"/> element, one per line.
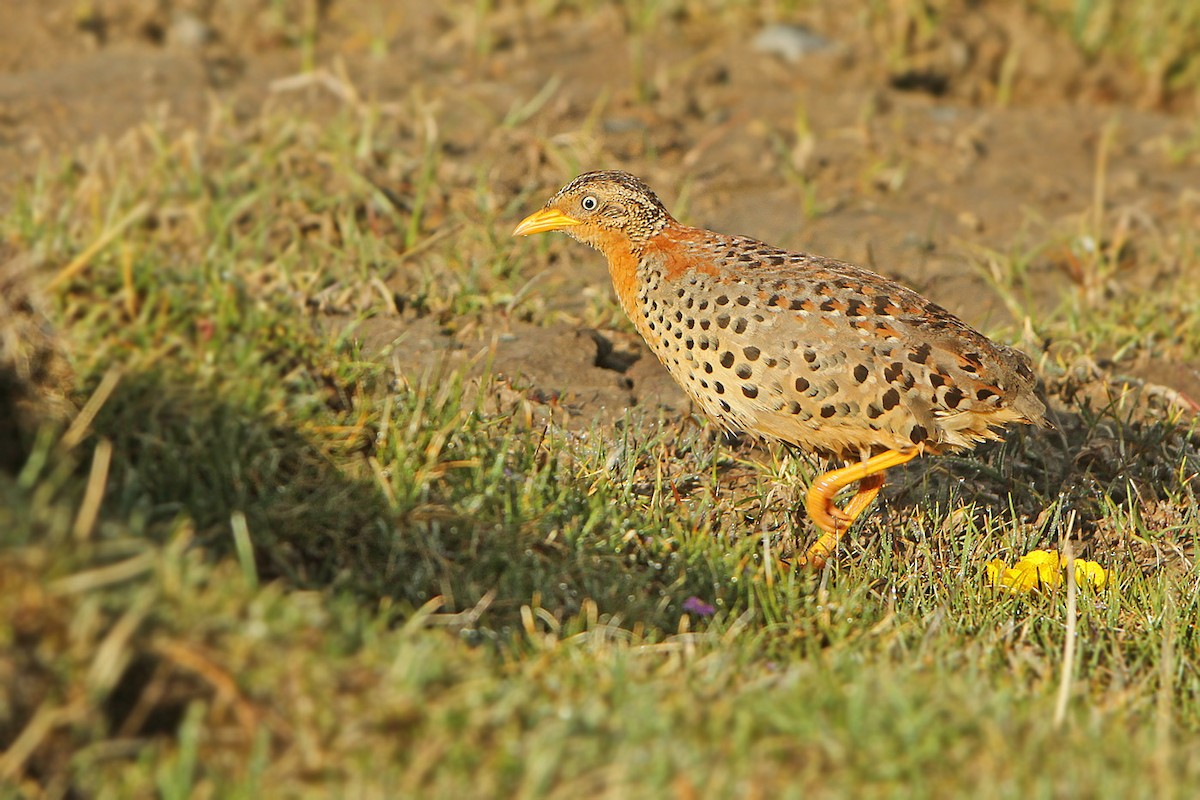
<point x="1090" y="573"/>
<point x="1042" y="568"/>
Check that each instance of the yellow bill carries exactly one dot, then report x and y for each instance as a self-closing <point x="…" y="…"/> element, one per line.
<point x="548" y="219"/>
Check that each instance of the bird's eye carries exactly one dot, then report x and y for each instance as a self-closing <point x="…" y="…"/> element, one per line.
<point x="590" y="203"/>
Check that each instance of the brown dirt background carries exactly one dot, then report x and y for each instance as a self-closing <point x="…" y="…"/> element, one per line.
<point x="912" y="161"/>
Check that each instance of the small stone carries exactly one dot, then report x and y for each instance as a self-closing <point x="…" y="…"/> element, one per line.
<point x="790" y="42"/>
<point x="188" y="31"/>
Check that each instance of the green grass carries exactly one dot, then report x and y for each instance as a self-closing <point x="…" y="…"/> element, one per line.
<point x="267" y="561"/>
<point x="1159" y="38"/>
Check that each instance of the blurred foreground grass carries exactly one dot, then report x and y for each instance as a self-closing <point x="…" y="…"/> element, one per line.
<point x="263" y="562"/>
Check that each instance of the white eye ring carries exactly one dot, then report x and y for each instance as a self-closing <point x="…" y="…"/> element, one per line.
<point x="589" y="203"/>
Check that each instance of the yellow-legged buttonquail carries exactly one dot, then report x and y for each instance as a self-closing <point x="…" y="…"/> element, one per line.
<point x="825" y="355"/>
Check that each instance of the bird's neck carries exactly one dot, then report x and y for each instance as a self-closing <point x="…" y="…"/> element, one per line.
<point x="623" y="256"/>
<point x="627" y="257"/>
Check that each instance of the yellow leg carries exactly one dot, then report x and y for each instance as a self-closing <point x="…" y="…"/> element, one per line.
<point x="832" y="520"/>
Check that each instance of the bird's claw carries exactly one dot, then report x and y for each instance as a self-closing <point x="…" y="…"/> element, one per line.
<point x="839" y="515"/>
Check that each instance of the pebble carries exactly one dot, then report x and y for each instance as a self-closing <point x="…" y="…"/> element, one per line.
<point x="790" y="42"/>
<point x="188" y="31"/>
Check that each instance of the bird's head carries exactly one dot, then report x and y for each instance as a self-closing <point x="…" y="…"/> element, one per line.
<point x="600" y="209"/>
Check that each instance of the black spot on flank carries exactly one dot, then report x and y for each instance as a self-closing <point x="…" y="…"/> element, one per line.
<point x="652" y="326"/>
<point x="704" y="324"/>
<point x="891" y="399"/>
<point x="725" y="407"/>
<point x="727" y="359"/>
<point x="936" y="379"/>
<point x="691" y="323"/>
<point x="856" y="308"/>
<point x="691" y="301"/>
<point x="776" y="260"/>
<point x="984" y="394"/>
<point x="722" y="300"/>
<point x="810" y="355"/>
<point x="796" y="305"/>
<point x="921" y="354"/>
<point x="828" y="304"/>
<point x="740" y="325"/>
<point x="719" y="387"/>
<point x="708" y="368"/>
<point x="874" y="411"/>
<point x="860" y="373"/>
<point x="679" y="334"/>
<point x="954" y="396"/>
<point x="802" y="385"/>
<point x="703" y="305"/>
<point x="680" y="293"/>
<point x="918" y="434"/>
<point x="827" y="412"/>
<point x="893" y="371"/>
<point x="751" y="353"/>
<point x="774" y="300"/>
<point x="679" y="316"/>
<point x="881" y="305"/>
<point x="744" y="371"/>
<point x="723" y="320"/>
<point x="750" y="390"/>
<point x="743" y="301"/>
<point x="793" y="407"/>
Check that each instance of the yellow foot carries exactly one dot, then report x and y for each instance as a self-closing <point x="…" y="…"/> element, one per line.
<point x="834" y="521"/>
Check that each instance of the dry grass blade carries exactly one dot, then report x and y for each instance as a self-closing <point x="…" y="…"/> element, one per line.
<point x="1067" y="670"/>
<point x="81" y="425"/>
<point x="47" y="718"/>
<point x="80" y="262"/>
<point x="89" y="509"/>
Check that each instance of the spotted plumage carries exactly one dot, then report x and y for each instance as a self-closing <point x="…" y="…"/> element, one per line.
<point x="827" y="356"/>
